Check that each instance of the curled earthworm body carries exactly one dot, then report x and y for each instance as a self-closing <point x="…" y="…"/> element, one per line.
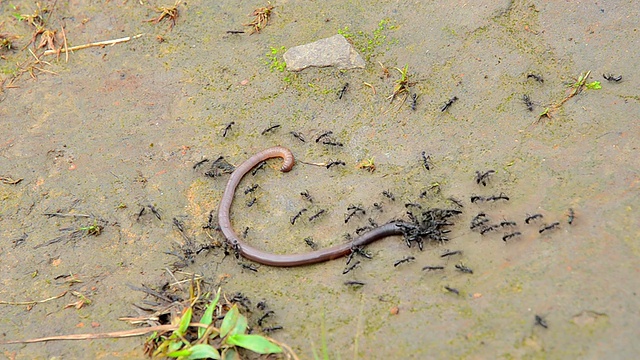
<point x="266" y="258"/>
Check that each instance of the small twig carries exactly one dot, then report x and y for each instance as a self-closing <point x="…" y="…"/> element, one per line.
<point x="32" y="302"/>
<point x="323" y="164"/>
<point x="66" y="49"/>
<point x="174" y="278"/>
<point x="67" y="215"/>
<point x="9" y="181"/>
<point x="95" y="44"/>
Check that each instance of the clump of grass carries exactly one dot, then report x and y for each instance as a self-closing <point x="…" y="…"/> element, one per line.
<point x="577" y="87"/>
<point x="167" y="12"/>
<point x="6" y="41"/>
<point x="261" y="19"/>
<point x="367" y="164"/>
<point x="202" y="340"/>
<point x="402" y="85"/>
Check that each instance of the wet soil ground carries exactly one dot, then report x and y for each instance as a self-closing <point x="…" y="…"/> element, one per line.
<point x="119" y="128"/>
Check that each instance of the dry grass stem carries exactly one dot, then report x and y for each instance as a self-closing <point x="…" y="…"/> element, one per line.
<point x="95" y="44"/>
<point x="32" y="302"/>
<point x="107" y="335"/>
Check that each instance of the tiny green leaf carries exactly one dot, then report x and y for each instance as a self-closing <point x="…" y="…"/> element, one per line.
<point x="255" y="343"/>
<point x="230" y="354"/>
<point x="203" y="351"/>
<point x="207" y="317"/>
<point x="184" y="321"/>
<point x="178" y="353"/>
<point x="199" y="351"/>
<point x="594" y="85"/>
<point x="241" y="325"/>
<point x="229" y="321"/>
<point x="174" y="345"/>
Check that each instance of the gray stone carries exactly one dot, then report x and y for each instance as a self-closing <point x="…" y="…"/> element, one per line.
<point x="334" y="51"/>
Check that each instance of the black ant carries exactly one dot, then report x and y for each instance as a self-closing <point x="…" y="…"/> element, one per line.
<point x="343" y="90"/>
<point x="610" y="77"/>
<point x="464" y="269"/>
<point x="360" y="251"/>
<point x="456" y="201"/>
<point x="227" y="128"/>
<point x="508" y="223"/>
<point x="347" y="269"/>
<point x="199" y="163"/>
<point x="363" y="229"/>
<point x="571" y="216"/>
<point x="306" y="196"/>
<point x="530" y="218"/>
<point x="548" y="227"/>
<point x="155" y="211"/>
<point x="389" y="195"/>
<point x="296" y="216"/>
<point x="298" y="136"/>
<point x="252" y="188"/>
<point x="488" y="228"/>
<point x="354" y="283"/>
<point x="250" y="267"/>
<point x="537" y="78"/>
<point x="332" y="143"/>
<point x="452" y="290"/>
<point x="271" y="128"/>
<point x="309" y="241"/>
<point x="258" y="168"/>
<point x="272" y="329"/>
<point x="429" y="268"/>
<point x="476" y="198"/>
<point x="251" y="202"/>
<point x="335" y="163"/>
<point x="482" y="177"/>
<point x="140" y="213"/>
<point x="451" y="253"/>
<point x="478" y="220"/>
<point x="317" y="215"/>
<point x="509" y="236"/>
<point x="425" y="160"/>
<point x="449" y="103"/>
<point x="324" y="134"/>
<point x="527" y="102"/>
<point x="236" y="246"/>
<point x="502" y="196"/>
<point x="263" y="317"/>
<point x="403" y="260"/>
<point x="414" y="101"/>
<point x="210" y="222"/>
<point x="353" y="210"/>
<point x="541" y="321"/>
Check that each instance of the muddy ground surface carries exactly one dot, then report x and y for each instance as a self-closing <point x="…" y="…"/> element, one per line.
<point x="119" y="128"/>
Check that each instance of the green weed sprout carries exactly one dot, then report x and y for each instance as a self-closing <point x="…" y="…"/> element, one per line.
<point x="231" y="335"/>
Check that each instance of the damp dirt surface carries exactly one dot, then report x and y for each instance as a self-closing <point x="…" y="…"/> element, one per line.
<point x="119" y="128"/>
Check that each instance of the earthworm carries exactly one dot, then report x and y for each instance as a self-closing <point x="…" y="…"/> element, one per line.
<point x="266" y="258"/>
